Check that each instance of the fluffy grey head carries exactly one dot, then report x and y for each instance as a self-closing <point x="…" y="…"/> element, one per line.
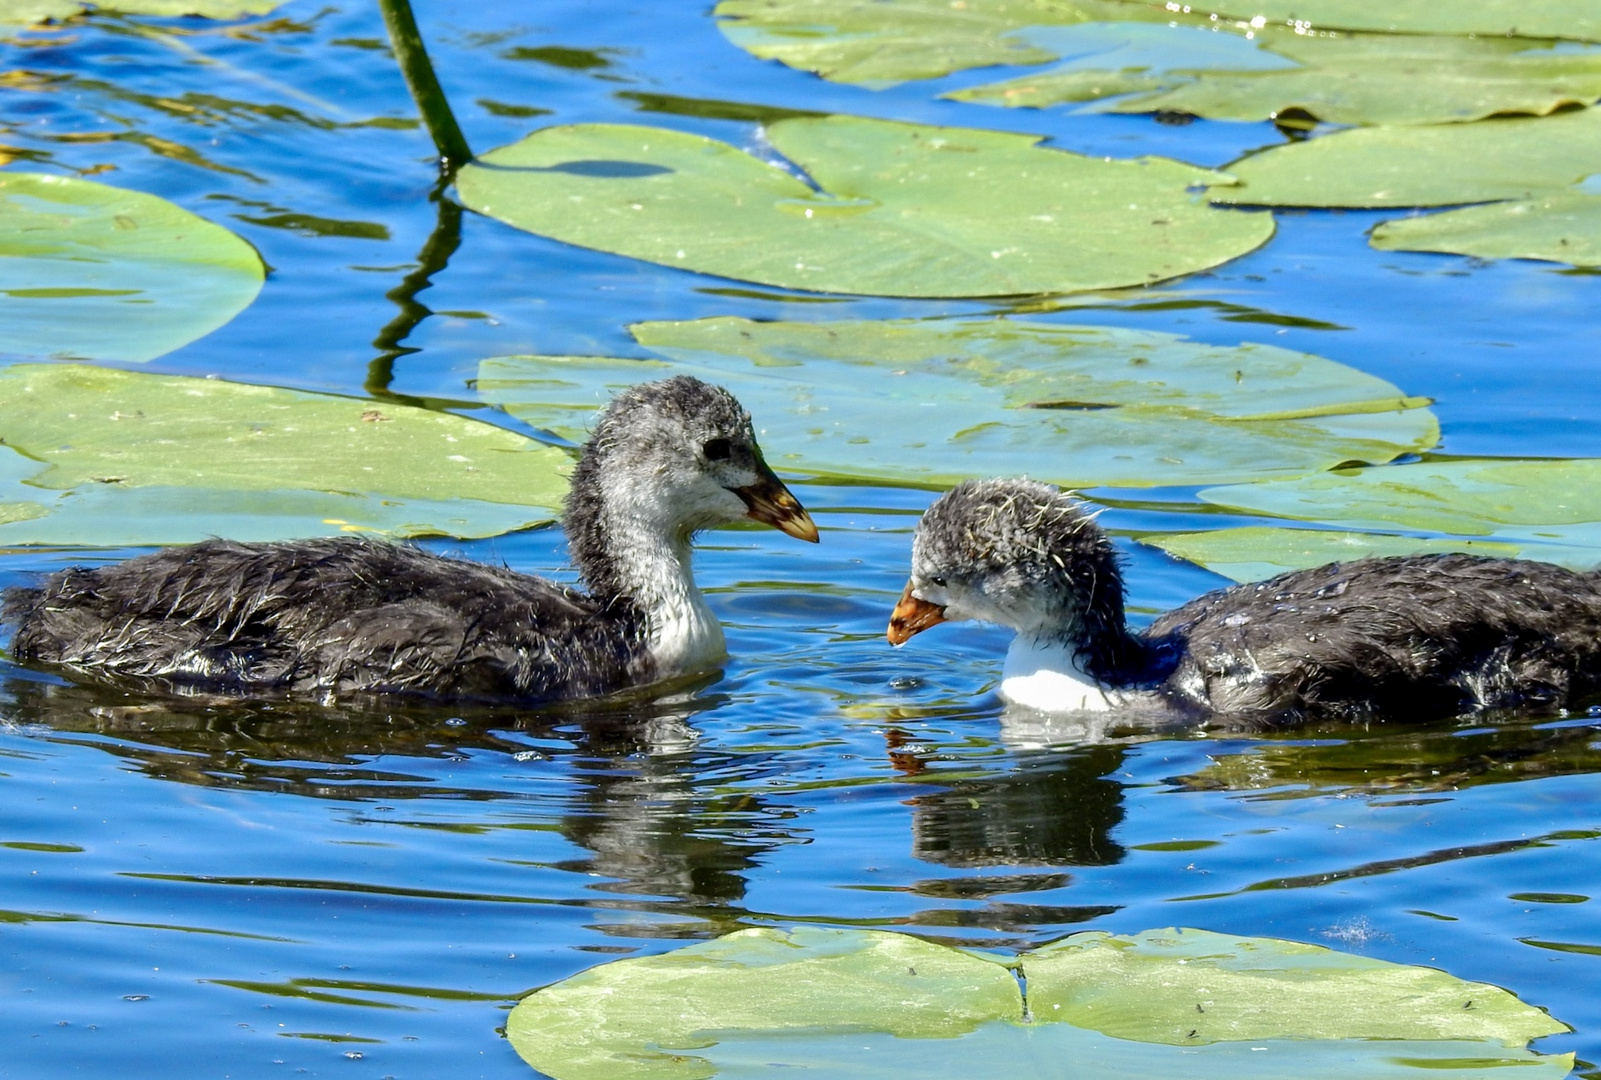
<point x="668" y="459"/>
<point x="1021" y="554"/>
<point x="674" y="450"/>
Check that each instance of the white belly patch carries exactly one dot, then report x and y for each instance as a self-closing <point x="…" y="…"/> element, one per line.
<point x="1047" y="677"/>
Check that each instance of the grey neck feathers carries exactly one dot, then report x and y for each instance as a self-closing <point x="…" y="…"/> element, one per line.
<point x="624" y="553"/>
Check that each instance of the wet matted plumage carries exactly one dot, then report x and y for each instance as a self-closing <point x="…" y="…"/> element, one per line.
<point x="1410" y="636"/>
<point x="345" y="614"/>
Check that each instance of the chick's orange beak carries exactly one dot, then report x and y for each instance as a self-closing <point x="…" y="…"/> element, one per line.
<point x="769" y="502"/>
<point x="912" y="616"/>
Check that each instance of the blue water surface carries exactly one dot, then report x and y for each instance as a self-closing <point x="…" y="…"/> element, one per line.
<point x="200" y="889"/>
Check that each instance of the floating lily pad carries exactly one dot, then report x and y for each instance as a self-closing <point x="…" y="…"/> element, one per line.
<point x="20" y="13"/>
<point x="933" y="402"/>
<point x="1343" y="79"/>
<point x="209" y="9"/>
<point x="1256" y="552"/>
<point x="899" y="210"/>
<point x="883" y="43"/>
<point x="1564" y="228"/>
<point x="1145" y="987"/>
<point x="20" y="511"/>
<point x="1529" y="18"/>
<point x="89" y="271"/>
<point x="15" y="13"/>
<point x="854" y="1003"/>
<point x="112" y="515"/>
<point x="1113" y="58"/>
<point x="1526" y="503"/>
<point x="1423" y="166"/>
<point x="1455" y="61"/>
<point x="121" y="457"/>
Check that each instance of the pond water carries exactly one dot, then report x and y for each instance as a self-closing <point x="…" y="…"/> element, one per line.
<point x="264" y="891"/>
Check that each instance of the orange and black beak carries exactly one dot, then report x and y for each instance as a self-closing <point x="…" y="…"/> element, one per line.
<point x="769" y="502"/>
<point x="912" y="616"/>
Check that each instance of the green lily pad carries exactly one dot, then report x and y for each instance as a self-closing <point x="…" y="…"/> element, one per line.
<point x="20" y="511"/>
<point x="89" y="271"/>
<point x="209" y="9"/>
<point x="21" y="13"/>
<point x="1145" y="987"/>
<point x="1564" y="228"/>
<point x="855" y="1003"/>
<point x="752" y="980"/>
<point x="114" y="516"/>
<point x="16" y="502"/>
<point x="34" y="12"/>
<point x="883" y="43"/>
<point x="1455" y="61"/>
<point x="1423" y="166"/>
<point x="902" y="210"/>
<point x="933" y="402"/>
<point x="1343" y="79"/>
<point x="125" y="457"/>
<point x="1527" y="503"/>
<point x="1255" y="552"/>
<point x="1577" y="19"/>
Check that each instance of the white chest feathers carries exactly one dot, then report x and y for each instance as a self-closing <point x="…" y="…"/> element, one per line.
<point x="684" y="634"/>
<point x="1046" y="676"/>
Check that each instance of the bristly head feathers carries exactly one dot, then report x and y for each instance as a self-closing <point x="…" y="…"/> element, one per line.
<point x="665" y="459"/>
<point x="1025" y="555"/>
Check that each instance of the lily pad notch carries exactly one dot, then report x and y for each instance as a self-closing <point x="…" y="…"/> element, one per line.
<point x="1161" y="1002"/>
<point x="885" y="209"/>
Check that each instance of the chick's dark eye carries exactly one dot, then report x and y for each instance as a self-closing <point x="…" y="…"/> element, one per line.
<point x="716" y="450"/>
<point x="938" y="582"/>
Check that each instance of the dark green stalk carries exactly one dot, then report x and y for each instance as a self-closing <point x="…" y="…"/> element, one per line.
<point x="425" y="90"/>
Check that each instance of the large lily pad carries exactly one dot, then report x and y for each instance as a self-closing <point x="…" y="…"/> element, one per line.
<point x="121" y="457"/>
<point x="1146" y="987"/>
<point x="209" y="9"/>
<point x="892" y="41"/>
<point x="34" y="12"/>
<point x="852" y="1003"/>
<point x="899" y="209"/>
<point x="1467" y="498"/>
<point x="933" y="402"/>
<point x="1255" y="552"/>
<point x="1423" y="166"/>
<point x="114" y="516"/>
<point x="1565" y="228"/>
<point x="1344" y="79"/>
<point x="89" y="271"/>
<point x="1456" y="61"/>
<point x="1526" y="503"/>
<point x="1529" y="18"/>
<point x="22" y="13"/>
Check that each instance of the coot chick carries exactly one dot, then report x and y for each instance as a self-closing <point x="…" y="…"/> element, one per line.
<point x="1408" y="637"/>
<point x="345" y="614"/>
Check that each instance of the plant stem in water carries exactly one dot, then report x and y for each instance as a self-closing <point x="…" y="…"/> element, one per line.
<point x="424" y="85"/>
